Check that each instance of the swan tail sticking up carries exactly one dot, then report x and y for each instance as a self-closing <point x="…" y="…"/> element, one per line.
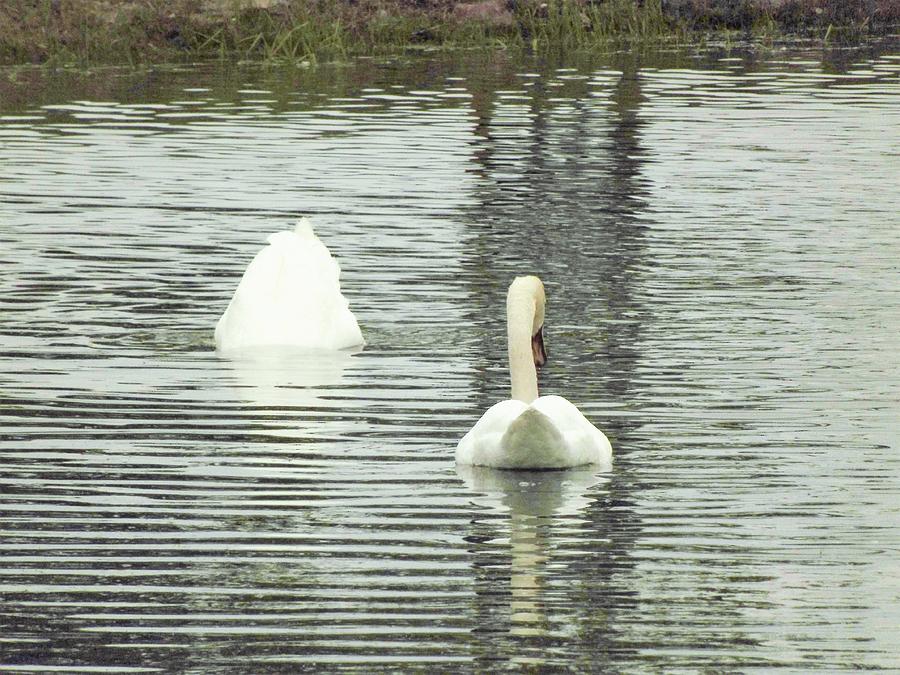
<point x="289" y="296"/>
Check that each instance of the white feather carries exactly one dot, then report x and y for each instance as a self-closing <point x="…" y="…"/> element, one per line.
<point x="527" y="431"/>
<point x="289" y="296"/>
<point x="548" y="433"/>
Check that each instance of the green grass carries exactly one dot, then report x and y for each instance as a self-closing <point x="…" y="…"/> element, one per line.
<point x="261" y="35"/>
<point x="133" y="31"/>
<point x="569" y="25"/>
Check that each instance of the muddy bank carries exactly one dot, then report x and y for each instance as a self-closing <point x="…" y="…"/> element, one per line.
<point x="123" y="31"/>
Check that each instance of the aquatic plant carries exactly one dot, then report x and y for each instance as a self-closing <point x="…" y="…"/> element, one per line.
<point x="131" y="31"/>
<point x="570" y="24"/>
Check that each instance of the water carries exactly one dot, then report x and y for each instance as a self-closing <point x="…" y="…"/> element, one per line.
<point x="719" y="240"/>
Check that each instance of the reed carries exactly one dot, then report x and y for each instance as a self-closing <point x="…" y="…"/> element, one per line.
<point x="573" y="25"/>
<point x="133" y="31"/>
<point x="295" y="34"/>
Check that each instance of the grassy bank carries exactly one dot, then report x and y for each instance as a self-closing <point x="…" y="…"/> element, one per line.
<point x="135" y="31"/>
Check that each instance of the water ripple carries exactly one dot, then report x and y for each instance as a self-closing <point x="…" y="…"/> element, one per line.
<point x="718" y="237"/>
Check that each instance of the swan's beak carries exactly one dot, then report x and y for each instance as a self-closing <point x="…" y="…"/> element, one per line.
<point x="537" y="347"/>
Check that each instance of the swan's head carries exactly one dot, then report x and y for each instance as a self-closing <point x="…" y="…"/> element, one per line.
<point x="529" y="292"/>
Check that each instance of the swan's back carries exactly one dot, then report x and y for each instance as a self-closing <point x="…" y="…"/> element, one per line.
<point x="550" y="433"/>
<point x="290" y="295"/>
<point x="586" y="444"/>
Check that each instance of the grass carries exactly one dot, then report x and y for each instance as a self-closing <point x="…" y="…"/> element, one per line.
<point x="563" y="24"/>
<point x="299" y="32"/>
<point x="132" y="31"/>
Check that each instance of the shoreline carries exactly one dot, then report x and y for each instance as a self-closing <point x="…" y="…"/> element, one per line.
<point x="123" y="32"/>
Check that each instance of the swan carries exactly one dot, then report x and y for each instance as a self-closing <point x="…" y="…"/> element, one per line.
<point x="289" y="296"/>
<point x="528" y="431"/>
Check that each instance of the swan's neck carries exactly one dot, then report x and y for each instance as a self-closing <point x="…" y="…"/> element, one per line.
<point x="520" y="310"/>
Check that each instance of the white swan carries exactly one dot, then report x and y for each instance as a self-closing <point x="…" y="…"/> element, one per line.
<point x="528" y="432"/>
<point x="289" y="296"/>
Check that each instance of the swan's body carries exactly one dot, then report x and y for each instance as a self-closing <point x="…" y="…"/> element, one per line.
<point x="528" y="431"/>
<point x="289" y="296"/>
<point x="548" y="433"/>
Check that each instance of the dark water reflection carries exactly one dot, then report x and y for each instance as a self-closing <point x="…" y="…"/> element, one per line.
<point x="718" y="237"/>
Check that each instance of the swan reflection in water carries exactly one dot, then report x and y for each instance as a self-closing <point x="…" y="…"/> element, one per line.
<point x="282" y="382"/>
<point x="538" y="503"/>
<point x="280" y="377"/>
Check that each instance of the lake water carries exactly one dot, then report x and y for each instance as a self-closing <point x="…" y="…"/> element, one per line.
<point x="720" y="242"/>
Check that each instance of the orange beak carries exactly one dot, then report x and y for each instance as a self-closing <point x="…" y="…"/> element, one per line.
<point x="537" y="347"/>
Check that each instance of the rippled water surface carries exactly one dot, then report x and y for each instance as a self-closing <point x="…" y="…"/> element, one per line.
<point x="720" y="244"/>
